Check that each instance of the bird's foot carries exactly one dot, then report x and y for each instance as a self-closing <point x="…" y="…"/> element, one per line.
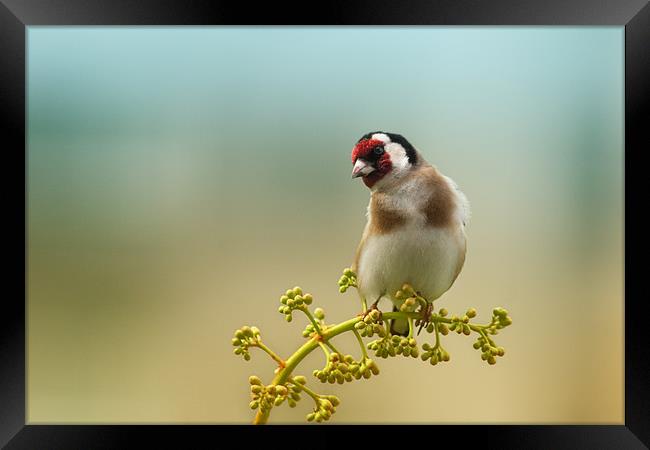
<point x="425" y="320"/>
<point x="373" y="307"/>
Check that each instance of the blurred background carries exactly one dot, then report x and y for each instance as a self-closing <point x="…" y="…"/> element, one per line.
<point x="180" y="179"/>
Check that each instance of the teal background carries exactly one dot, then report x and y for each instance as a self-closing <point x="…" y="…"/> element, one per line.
<point x="179" y="179"/>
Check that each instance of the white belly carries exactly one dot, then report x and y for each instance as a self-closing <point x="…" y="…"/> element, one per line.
<point x="426" y="258"/>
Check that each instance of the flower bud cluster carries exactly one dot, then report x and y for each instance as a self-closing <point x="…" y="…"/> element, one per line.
<point x="347" y="280"/>
<point x="243" y="339"/>
<point x="500" y="318"/>
<point x="489" y="351"/>
<point x="325" y="407"/>
<point x="371" y="325"/>
<point x="294" y="299"/>
<point x="460" y="325"/>
<point x="434" y="354"/>
<point x="341" y="369"/>
<point x="265" y="397"/>
<point x="410" y="297"/>
<point x="383" y="347"/>
<point x="395" y="345"/>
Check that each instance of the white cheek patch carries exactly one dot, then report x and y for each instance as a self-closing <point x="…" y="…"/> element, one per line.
<point x="398" y="158"/>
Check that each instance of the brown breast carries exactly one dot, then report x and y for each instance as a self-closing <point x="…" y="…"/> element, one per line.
<point x="384" y="219"/>
<point x="440" y="204"/>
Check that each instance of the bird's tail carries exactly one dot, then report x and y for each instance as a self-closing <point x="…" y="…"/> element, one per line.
<point x="399" y="326"/>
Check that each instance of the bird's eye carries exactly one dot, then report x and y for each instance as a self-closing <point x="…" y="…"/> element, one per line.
<point x="378" y="150"/>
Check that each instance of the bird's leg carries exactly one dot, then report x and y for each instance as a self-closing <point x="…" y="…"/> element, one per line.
<point x="426" y="316"/>
<point x="373" y="306"/>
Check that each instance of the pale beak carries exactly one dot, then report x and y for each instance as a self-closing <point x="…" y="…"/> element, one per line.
<point x="361" y="169"/>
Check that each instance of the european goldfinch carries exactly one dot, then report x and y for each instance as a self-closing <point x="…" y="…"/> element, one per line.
<point x="415" y="232"/>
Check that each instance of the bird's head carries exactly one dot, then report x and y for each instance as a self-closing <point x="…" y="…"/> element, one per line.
<point x="379" y="157"/>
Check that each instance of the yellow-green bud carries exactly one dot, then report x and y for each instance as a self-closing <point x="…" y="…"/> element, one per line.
<point x="408" y="289"/>
<point x="253" y="380"/>
<point x="254" y="404"/>
<point x="491" y="360"/>
<point x="443" y="312"/>
<point x="342" y="289"/>
<point x="256" y="389"/>
<point x="239" y="334"/>
<point x="300" y="379"/>
<point x="289" y="293"/>
<point x="284" y="299"/>
<point x="348" y="272"/>
<point x="288" y="318"/>
<point x="308" y="299"/>
<point x="471" y="313"/>
<point x="444" y="329"/>
<point x="319" y="313"/>
<point x="236" y="341"/>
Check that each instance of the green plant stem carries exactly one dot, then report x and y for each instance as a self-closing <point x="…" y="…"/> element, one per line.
<point x="363" y="347"/>
<point x="309" y="392"/>
<point x="318" y="329"/>
<point x="311" y="319"/>
<point x="271" y="353"/>
<point x="290" y="364"/>
<point x="435" y="327"/>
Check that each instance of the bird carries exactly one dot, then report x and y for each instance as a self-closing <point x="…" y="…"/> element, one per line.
<point x="415" y="229"/>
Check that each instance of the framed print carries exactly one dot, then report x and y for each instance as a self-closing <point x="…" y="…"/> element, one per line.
<point x="187" y="210"/>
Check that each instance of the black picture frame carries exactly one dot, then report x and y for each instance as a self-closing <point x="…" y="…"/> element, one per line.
<point x="16" y="15"/>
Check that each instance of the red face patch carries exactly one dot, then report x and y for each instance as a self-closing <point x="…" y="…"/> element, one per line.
<point x="363" y="149"/>
<point x="383" y="165"/>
